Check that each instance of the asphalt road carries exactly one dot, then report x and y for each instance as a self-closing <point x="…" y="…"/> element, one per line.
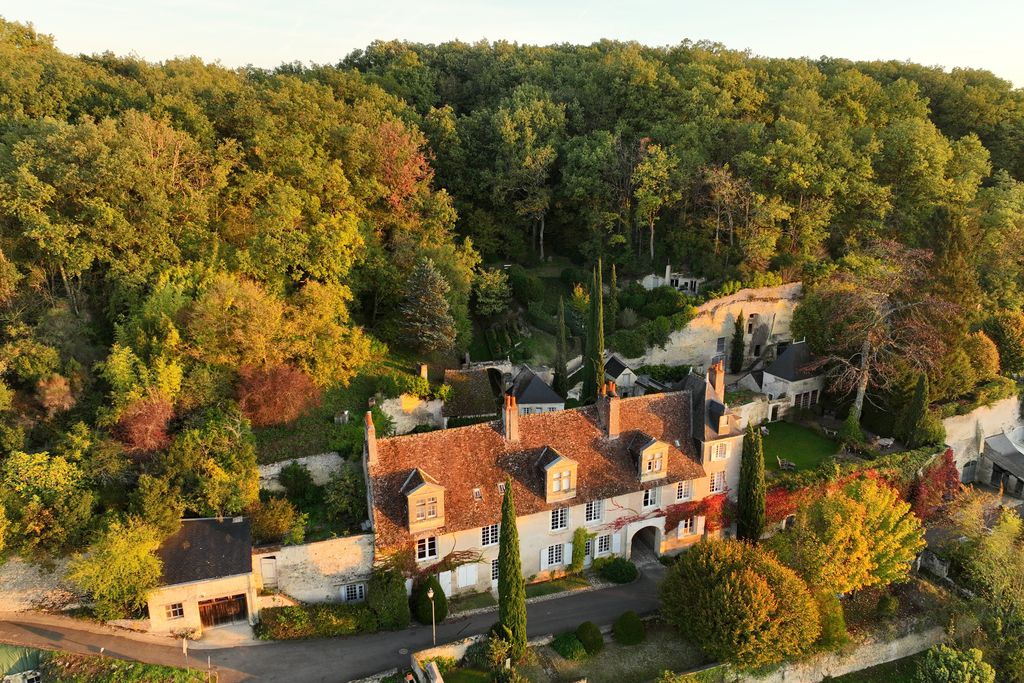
<point x="337" y="660"/>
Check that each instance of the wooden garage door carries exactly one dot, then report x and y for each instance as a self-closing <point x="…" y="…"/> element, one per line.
<point x="221" y="611"/>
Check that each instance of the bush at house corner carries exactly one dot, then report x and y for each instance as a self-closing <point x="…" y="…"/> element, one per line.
<point x="615" y="569"/>
<point x="421" y="609"/>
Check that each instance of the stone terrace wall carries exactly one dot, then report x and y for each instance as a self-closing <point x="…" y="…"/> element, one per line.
<point x="313" y="572"/>
<point x="321" y="467"/>
<point x="966" y="434"/>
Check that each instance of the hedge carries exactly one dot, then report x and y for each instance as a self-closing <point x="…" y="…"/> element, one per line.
<point x="615" y="569"/>
<point x="628" y="629"/>
<point x="590" y="635"/>
<point x="327" y="620"/>
<point x="388" y="600"/>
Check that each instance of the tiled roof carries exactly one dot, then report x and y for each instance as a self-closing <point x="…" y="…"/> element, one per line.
<point x="478" y="456"/>
<point x="206" y="549"/>
<point x="472" y="394"/>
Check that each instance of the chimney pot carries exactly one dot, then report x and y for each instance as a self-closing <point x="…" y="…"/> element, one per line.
<point x="510" y="419"/>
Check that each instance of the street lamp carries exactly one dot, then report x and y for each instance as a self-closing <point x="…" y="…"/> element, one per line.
<point x="433" y="621"/>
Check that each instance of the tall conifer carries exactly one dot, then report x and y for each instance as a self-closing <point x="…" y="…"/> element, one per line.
<point x="561" y="353"/>
<point x="593" y="358"/>
<point x="752" y="518"/>
<point x="511" y="587"/>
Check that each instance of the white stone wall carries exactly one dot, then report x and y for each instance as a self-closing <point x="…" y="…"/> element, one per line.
<point x="966" y="434"/>
<point x="408" y="411"/>
<point x="696" y="344"/>
<point x="315" y="572"/>
<point x="623" y="517"/>
<point x="321" y="468"/>
<point x="190" y="594"/>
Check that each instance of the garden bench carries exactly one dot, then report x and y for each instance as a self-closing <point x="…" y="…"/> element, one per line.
<point x="786" y="465"/>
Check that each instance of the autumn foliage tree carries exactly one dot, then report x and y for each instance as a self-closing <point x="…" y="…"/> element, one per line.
<point x="740" y="604"/>
<point x="142" y="426"/>
<point x="275" y="395"/>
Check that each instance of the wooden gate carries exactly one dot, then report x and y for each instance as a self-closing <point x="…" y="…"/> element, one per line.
<point x="220" y="611"/>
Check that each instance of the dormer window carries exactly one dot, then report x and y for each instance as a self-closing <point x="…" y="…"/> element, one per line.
<point x="650" y="456"/>
<point x="654" y="463"/>
<point x="560" y="475"/>
<point x="425" y="498"/>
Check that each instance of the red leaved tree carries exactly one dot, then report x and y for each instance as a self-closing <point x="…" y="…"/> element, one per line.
<point x="938" y="484"/>
<point x="142" y="427"/>
<point x="275" y="395"/>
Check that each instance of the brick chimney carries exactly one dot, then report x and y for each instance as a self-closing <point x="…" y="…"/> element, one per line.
<point x="612" y="423"/>
<point x="716" y="376"/>
<point x="510" y="419"/>
<point x="370" y="440"/>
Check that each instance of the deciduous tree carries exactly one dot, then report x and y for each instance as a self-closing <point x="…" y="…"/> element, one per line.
<point x="119" y="568"/>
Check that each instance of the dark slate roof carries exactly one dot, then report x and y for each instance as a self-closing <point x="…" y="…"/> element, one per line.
<point x="791" y="365"/>
<point x="614" y="367"/>
<point x="207" y="549"/>
<point x="471" y="396"/>
<point x="1000" y="450"/>
<point x="529" y="388"/>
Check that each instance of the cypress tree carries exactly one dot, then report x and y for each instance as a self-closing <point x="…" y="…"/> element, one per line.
<point x="561" y="353"/>
<point x="916" y="413"/>
<point x="612" y="310"/>
<point x="593" y="357"/>
<point x="736" y="355"/>
<point x="752" y="517"/>
<point x="511" y="587"/>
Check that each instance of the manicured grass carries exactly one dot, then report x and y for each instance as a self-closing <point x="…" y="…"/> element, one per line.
<point x="797" y="444"/>
<point x="467" y="676"/>
<point x="463" y="603"/>
<point x="65" y="667"/>
<point x="662" y="650"/>
<point x="566" y="583"/>
<point x="897" y="671"/>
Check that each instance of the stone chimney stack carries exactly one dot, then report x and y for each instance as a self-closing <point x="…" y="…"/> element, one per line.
<point x="612" y="423"/>
<point x="716" y="376"/>
<point x="668" y="273"/>
<point x="370" y="440"/>
<point x="510" y="419"/>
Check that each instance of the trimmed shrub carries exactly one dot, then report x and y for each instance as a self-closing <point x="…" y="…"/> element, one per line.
<point x="590" y="635"/>
<point x="476" y="655"/>
<point x="421" y="603"/>
<point x="387" y="599"/>
<point x="628" y="629"/>
<point x="615" y="569"/>
<point x="888" y="605"/>
<point x="569" y="646"/>
<point x="327" y="620"/>
<point x="833" y="621"/>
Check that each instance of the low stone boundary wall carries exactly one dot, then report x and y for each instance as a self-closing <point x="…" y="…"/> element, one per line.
<point x="408" y="411"/>
<point x="428" y="673"/>
<point x="320" y="467"/>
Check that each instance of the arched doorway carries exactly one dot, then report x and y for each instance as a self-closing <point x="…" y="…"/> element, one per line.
<point x="645" y="544"/>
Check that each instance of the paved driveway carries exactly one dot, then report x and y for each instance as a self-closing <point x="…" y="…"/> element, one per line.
<point x="340" y="659"/>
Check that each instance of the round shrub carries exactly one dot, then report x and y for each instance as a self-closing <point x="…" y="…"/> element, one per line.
<point x="569" y="646"/>
<point x="628" y="629"/>
<point x="590" y="635"/>
<point x="476" y="655"/>
<point x="617" y="570"/>
<point x="421" y="603"/>
<point x="387" y="599"/>
<point x="888" y="605"/>
<point x="833" y="621"/>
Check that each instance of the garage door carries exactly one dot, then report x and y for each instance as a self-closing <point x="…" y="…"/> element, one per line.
<point x="220" y="611"/>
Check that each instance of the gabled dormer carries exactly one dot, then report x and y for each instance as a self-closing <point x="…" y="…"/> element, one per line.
<point x="650" y="457"/>
<point x="560" y="475"/>
<point x="425" y="501"/>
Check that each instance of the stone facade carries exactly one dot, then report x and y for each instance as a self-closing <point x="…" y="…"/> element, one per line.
<point x="189" y="595"/>
<point x="708" y="336"/>
<point x="315" y="572"/>
<point x="966" y="435"/>
<point x="408" y="411"/>
<point x="321" y="468"/>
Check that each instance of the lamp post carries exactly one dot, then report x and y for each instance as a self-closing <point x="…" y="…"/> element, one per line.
<point x="433" y="621"/>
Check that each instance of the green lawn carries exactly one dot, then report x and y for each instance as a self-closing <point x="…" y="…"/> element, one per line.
<point x="798" y="444"/>
<point x="566" y="583"/>
<point x="898" y="671"/>
<point x="467" y="676"/>
<point x="464" y="603"/>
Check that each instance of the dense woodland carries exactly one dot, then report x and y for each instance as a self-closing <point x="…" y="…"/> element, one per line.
<point x="189" y="252"/>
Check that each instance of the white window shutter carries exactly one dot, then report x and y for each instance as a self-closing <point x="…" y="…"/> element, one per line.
<point x="469" y="578"/>
<point x="408" y="587"/>
<point x="616" y="543"/>
<point x="344" y="594"/>
<point x="543" y="558"/>
<point x="567" y="554"/>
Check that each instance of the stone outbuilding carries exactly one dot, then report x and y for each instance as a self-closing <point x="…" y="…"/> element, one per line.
<point x="207" y="577"/>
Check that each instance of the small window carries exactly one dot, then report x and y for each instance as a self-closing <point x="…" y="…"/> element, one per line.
<point x="686" y="527"/>
<point x="478" y="494"/>
<point x="604" y="544"/>
<point x="654" y="462"/>
<point x="650" y="498"/>
<point x="32" y="677"/>
<point x="353" y="592"/>
<point x="556" y="554"/>
<point x="489" y="535"/>
<point x="561" y="481"/>
<point x="501" y="487"/>
<point x="175" y="610"/>
<point x="559" y="519"/>
<point x="426" y="508"/>
<point x="426" y="548"/>
<point x="684" y="490"/>
<point x="494" y="569"/>
<point x="720" y="345"/>
<point x="594" y="510"/>
<point x="717" y="482"/>
<point x="720" y="451"/>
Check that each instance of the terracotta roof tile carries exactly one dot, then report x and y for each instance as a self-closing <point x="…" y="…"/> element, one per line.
<point x="477" y="456"/>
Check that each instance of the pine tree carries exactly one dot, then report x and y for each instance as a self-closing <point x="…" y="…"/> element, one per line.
<point x="916" y="413"/>
<point x="736" y="356"/>
<point x="593" y="358"/>
<point x="426" y="316"/>
<point x="511" y="587"/>
<point x="561" y="353"/>
<point x="612" y="308"/>
<point x="751" y="520"/>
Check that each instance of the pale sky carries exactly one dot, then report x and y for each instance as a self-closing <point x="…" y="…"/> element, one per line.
<point x="980" y="33"/>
